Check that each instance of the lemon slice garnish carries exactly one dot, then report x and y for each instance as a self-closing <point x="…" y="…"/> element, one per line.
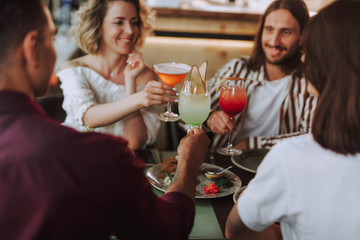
<point x="198" y="86"/>
<point x="202" y="70"/>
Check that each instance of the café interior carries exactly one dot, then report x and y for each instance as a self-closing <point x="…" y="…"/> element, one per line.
<point x="190" y="32"/>
<point x="185" y="31"/>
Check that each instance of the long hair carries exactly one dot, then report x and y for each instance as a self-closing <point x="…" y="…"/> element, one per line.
<point x="332" y="65"/>
<point x="17" y="18"/>
<point x="87" y="28"/>
<point x="300" y="12"/>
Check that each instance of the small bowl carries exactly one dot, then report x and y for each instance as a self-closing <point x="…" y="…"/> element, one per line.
<point x="214" y="175"/>
<point x="221" y="172"/>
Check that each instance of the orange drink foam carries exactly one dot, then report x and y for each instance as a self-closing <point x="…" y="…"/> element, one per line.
<point x="172" y="73"/>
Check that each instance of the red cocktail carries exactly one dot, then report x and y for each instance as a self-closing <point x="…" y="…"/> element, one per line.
<point x="232" y="101"/>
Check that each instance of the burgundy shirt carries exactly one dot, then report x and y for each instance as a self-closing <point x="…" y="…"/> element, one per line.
<point x="57" y="183"/>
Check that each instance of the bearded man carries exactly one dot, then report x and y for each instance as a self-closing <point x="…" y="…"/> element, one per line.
<point x="279" y="103"/>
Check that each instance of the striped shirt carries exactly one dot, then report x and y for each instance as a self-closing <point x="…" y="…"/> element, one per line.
<point x="296" y="111"/>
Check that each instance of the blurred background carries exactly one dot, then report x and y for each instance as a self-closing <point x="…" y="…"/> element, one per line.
<point x="184" y="31"/>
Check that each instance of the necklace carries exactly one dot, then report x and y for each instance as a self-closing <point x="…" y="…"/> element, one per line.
<point x="112" y="75"/>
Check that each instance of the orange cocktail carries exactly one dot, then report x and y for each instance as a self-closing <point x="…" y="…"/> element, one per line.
<point x="171" y="79"/>
<point x="171" y="74"/>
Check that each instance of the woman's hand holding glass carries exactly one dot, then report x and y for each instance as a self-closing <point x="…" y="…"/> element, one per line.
<point x="157" y="93"/>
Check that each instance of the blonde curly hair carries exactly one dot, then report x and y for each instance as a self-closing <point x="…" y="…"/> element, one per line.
<point x="86" y="30"/>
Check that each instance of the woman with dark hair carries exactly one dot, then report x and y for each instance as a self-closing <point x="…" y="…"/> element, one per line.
<point x="110" y="89"/>
<point x="334" y="37"/>
<point x="279" y="105"/>
<point x="310" y="183"/>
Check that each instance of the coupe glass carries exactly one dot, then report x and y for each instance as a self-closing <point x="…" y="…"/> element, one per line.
<point x="232" y="101"/>
<point x="171" y="74"/>
<point x="194" y="105"/>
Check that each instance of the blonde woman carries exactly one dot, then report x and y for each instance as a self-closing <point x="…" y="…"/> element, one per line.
<point x="111" y="88"/>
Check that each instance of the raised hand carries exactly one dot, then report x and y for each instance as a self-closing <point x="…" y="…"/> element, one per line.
<point x="135" y="66"/>
<point x="193" y="148"/>
<point x="192" y="151"/>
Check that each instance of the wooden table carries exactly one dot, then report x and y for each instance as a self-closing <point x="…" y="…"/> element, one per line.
<point x="221" y="206"/>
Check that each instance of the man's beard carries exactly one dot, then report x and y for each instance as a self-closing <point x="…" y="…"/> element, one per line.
<point x="282" y="61"/>
<point x="289" y="62"/>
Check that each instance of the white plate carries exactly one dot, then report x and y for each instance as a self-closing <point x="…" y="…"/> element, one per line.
<point x="202" y="181"/>
<point x="249" y="160"/>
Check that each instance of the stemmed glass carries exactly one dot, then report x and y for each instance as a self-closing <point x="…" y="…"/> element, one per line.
<point x="171" y="74"/>
<point x="194" y="105"/>
<point x="232" y="101"/>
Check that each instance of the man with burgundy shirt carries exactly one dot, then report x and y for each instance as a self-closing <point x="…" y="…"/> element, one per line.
<point x="57" y="183"/>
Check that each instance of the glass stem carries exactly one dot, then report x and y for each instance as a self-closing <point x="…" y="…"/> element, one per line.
<point x="169" y="107"/>
<point x="229" y="145"/>
<point x="195" y="126"/>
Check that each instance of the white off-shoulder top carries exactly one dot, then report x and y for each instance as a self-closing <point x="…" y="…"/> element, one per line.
<point x="83" y="87"/>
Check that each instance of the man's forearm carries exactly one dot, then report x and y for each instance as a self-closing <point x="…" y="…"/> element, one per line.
<point x="184" y="181"/>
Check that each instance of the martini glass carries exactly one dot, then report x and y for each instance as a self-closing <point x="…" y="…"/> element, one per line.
<point x="171" y="74"/>
<point x="232" y="101"/>
<point x="194" y="107"/>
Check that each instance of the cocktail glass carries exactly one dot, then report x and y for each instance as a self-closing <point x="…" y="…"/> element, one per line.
<point x="171" y="74"/>
<point x="194" y="107"/>
<point x="232" y="101"/>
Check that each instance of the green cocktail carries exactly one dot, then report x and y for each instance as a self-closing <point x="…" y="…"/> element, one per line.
<point x="194" y="108"/>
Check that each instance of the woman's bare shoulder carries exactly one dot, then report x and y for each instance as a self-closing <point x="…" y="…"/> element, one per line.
<point x="147" y="75"/>
<point x="77" y="62"/>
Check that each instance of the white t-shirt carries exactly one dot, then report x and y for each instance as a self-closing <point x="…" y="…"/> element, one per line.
<point x="262" y="110"/>
<point x="313" y="192"/>
<point x="83" y="87"/>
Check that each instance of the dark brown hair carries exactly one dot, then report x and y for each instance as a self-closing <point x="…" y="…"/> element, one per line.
<point x="300" y="12"/>
<point x="332" y="65"/>
<point x="17" y="18"/>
